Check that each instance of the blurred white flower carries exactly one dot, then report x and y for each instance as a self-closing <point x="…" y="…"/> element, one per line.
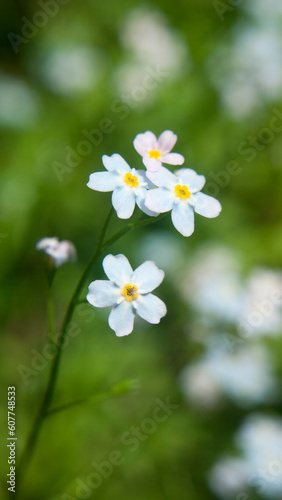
<point x="249" y="70"/>
<point x="152" y="41"/>
<point x="70" y="69"/>
<point x="59" y="251"/>
<point x="261" y="312"/>
<point x="129" y="292"/>
<point x="211" y="282"/>
<point x="228" y="477"/>
<point x="260" y="468"/>
<point x="153" y="48"/>
<point x="19" y="105"/>
<point x="245" y="376"/>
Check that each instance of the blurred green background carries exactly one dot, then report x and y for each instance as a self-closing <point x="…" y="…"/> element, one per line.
<point x="69" y="67"/>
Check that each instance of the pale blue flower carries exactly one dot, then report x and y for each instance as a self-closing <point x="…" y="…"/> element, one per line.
<point x="129" y="186"/>
<point x="181" y="194"/>
<point x="129" y="292"/>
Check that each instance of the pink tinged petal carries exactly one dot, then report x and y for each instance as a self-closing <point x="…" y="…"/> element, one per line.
<point x="191" y="179"/>
<point x="148" y="276"/>
<point x="144" y="143"/>
<point x="103" y="293"/>
<point x="150" y="308"/>
<point x="173" y="159"/>
<point x="166" y="141"/>
<point x="182" y="217"/>
<point x="115" y="162"/>
<point x="151" y="164"/>
<point x="121" y="318"/>
<point x="103" y="181"/>
<point x="206" y="205"/>
<point x="162" y="178"/>
<point x="118" y="269"/>
<point x="123" y="200"/>
<point x="159" y="200"/>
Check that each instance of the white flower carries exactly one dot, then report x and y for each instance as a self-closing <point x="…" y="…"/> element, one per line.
<point x="129" y="186"/>
<point x="129" y="292"/>
<point x="157" y="151"/>
<point x="181" y="194"/>
<point x="59" y="251"/>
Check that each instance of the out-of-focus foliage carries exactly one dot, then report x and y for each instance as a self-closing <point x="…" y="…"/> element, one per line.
<point x="214" y="72"/>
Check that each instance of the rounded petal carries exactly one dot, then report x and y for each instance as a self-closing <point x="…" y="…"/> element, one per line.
<point x="121" y="318"/>
<point x="166" y="141"/>
<point x="162" y="178"/>
<point x="148" y="276"/>
<point x="150" y="308"/>
<point x="118" y="269"/>
<point x="103" y="181"/>
<point x="140" y="200"/>
<point x="103" y="293"/>
<point x="115" y="162"/>
<point x="145" y="142"/>
<point x="159" y="200"/>
<point x="142" y="177"/>
<point x="191" y="179"/>
<point x="182" y="217"/>
<point x="206" y="205"/>
<point x="173" y="159"/>
<point x="151" y="164"/>
<point x="123" y="201"/>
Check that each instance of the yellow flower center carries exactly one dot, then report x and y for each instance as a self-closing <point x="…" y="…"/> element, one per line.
<point x="182" y="192"/>
<point x="154" y="154"/>
<point x="131" y="180"/>
<point x="130" y="292"/>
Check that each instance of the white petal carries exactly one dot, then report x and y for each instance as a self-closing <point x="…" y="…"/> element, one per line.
<point x="182" y="217"/>
<point x="159" y="200"/>
<point x="142" y="177"/>
<point x="151" y="164"/>
<point x="47" y="243"/>
<point x="206" y="205"/>
<point x="150" y="308"/>
<point x="173" y="159"/>
<point x="191" y="179"/>
<point x="103" y="181"/>
<point x="103" y="293"/>
<point x="140" y="200"/>
<point x="121" y="318"/>
<point x="148" y="276"/>
<point x="166" y="141"/>
<point x="118" y="269"/>
<point x="145" y="142"/>
<point x="162" y="178"/>
<point x="123" y="200"/>
<point x="115" y="162"/>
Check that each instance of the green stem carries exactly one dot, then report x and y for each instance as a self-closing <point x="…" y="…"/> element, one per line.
<point x="48" y="396"/>
<point x="50" y="311"/>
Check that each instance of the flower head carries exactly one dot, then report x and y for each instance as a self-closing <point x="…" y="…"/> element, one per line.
<point x="180" y="193"/>
<point x="129" y="186"/>
<point x="59" y="251"/>
<point x="157" y="151"/>
<point x="129" y="292"/>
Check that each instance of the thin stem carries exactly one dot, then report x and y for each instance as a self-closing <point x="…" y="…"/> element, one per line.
<point x="48" y="396"/>
<point x="50" y="311"/>
<point x="54" y="368"/>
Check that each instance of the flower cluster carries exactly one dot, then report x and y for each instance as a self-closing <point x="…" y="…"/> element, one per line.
<point x="156" y="190"/>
